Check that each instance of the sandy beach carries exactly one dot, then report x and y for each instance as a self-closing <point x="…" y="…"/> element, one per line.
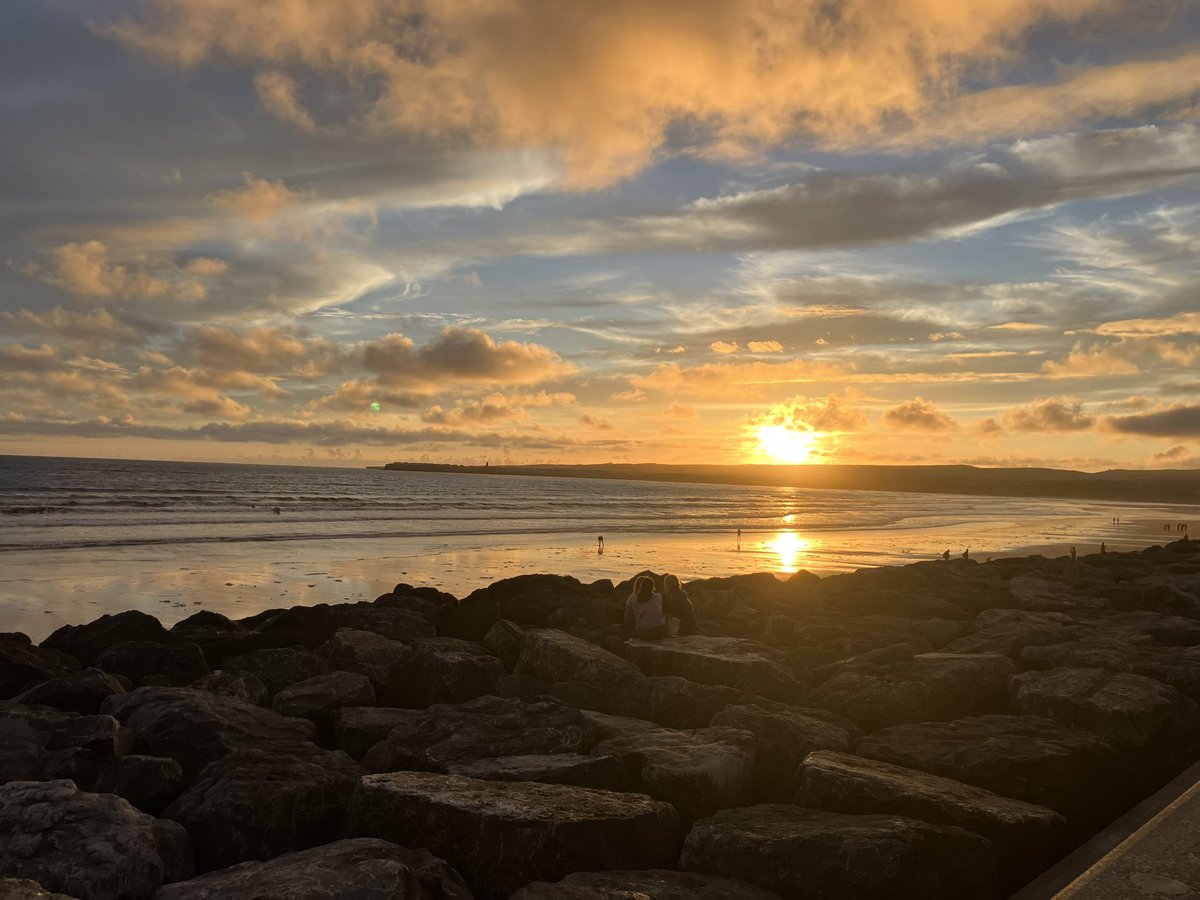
<point x="41" y="590"/>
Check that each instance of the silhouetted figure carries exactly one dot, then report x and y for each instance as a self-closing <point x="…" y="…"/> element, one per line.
<point x="644" y="614"/>
<point x="600" y="545"/>
<point x="1073" y="554"/>
<point x="1102" y="549"/>
<point x="967" y="553"/>
<point x="276" y="510"/>
<point x="946" y="555"/>
<point x="681" y="617"/>
<point x="739" y="539"/>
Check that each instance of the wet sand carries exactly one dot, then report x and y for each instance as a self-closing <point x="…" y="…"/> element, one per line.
<point x="39" y="591"/>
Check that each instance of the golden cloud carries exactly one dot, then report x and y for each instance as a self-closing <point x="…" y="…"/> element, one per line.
<point x="85" y="269"/>
<point x="918" y="414"/>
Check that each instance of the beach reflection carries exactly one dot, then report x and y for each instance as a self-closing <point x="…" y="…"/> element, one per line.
<point x="789" y="546"/>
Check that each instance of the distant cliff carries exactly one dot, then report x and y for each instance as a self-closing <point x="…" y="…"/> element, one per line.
<point x="1157" y="486"/>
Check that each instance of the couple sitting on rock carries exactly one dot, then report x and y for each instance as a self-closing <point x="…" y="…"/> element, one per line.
<point x="650" y="615"/>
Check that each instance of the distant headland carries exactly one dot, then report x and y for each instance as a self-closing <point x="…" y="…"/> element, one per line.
<point x="1127" y="485"/>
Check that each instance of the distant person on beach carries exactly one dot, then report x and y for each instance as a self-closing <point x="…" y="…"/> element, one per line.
<point x="946" y="555"/>
<point x="681" y="617"/>
<point x="739" y="539"/>
<point x="1102" y="548"/>
<point x="644" y="614"/>
<point x="967" y="553"/>
<point x="600" y="545"/>
<point x="1073" y="555"/>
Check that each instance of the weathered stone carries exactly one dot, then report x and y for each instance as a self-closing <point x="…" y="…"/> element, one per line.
<point x="443" y="670"/>
<point x="609" y="726"/>
<point x="149" y="783"/>
<point x="279" y="667"/>
<point x="927" y="687"/>
<point x="601" y="772"/>
<point x="360" y="868"/>
<point x="697" y="771"/>
<point x="504" y="639"/>
<point x="204" y="627"/>
<point x="1176" y="666"/>
<point x="815" y="855"/>
<point x="380" y="659"/>
<point x="648" y="884"/>
<point x="1026" y="757"/>
<point x="318" y="698"/>
<point x="554" y="656"/>
<point x="37" y="741"/>
<point x="87" y="642"/>
<point x="173" y="664"/>
<point x="467" y="621"/>
<point x="22" y="665"/>
<point x="239" y="685"/>
<point x="669" y="700"/>
<point x="745" y="665"/>
<point x="89" y="846"/>
<point x="402" y="597"/>
<point x="79" y="692"/>
<point x="1009" y="631"/>
<point x="356" y="729"/>
<point x="1147" y="719"/>
<point x="397" y="623"/>
<point x="785" y="736"/>
<point x="480" y="729"/>
<point x="196" y="727"/>
<point x="24" y="889"/>
<point x="255" y="804"/>
<point x="502" y="835"/>
<point x="1026" y="837"/>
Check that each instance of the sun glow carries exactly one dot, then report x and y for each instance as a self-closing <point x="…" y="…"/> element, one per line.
<point x="789" y="546"/>
<point x="786" y="445"/>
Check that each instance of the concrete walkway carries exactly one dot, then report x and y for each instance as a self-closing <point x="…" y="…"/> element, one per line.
<point x="1150" y="853"/>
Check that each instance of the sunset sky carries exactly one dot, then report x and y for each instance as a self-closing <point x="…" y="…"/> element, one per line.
<point x="860" y="231"/>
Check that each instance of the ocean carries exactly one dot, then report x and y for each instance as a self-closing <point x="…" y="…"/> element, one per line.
<point x="78" y="534"/>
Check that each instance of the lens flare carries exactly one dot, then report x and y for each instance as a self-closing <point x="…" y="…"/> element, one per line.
<point x="789" y="547"/>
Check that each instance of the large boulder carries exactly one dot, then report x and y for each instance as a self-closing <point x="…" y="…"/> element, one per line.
<point x="1176" y="666"/>
<point x="480" y="729"/>
<point x="356" y="729"/>
<point x="669" y="700"/>
<point x="381" y="659"/>
<point x="1152" y="722"/>
<point x="444" y="670"/>
<point x="22" y="665"/>
<point x="785" y="736"/>
<point x="504" y="834"/>
<point x="816" y="855"/>
<point x="38" y="742"/>
<point x="205" y="627"/>
<point x="394" y="621"/>
<point x="1009" y="631"/>
<point x="317" y="699"/>
<point x="196" y="727"/>
<point x="87" y="642"/>
<point x="363" y="868"/>
<point x="89" y="846"/>
<point x="697" y="771"/>
<point x="1026" y="837"/>
<point x="239" y="685"/>
<point x="745" y="665"/>
<point x="602" y="772"/>
<point x="172" y="664"/>
<point x="1026" y="757"/>
<point x="149" y="783"/>
<point x="925" y="687"/>
<point x="279" y="667"/>
<point x="79" y="692"/>
<point x="255" y="804"/>
<point x="648" y="884"/>
<point x="554" y="656"/>
<point x="26" y="889"/>
<point x="504" y="640"/>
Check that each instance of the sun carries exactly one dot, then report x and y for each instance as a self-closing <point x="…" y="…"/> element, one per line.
<point x="786" y="445"/>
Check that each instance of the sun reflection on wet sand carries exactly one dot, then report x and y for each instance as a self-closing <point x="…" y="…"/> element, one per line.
<point x="789" y="547"/>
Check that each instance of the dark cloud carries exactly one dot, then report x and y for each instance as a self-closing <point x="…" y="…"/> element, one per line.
<point x="918" y="414"/>
<point x="1051" y="414"/>
<point x="461" y="355"/>
<point x="1178" y="421"/>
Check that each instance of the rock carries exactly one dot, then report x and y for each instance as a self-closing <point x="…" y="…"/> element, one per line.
<point x="745" y="665"/>
<point x="443" y="670"/>
<point x="318" y="698"/>
<point x="205" y="627"/>
<point x="356" y="729"/>
<point x="79" y="692"/>
<point x="554" y="656"/>
<point x="149" y="783"/>
<point x="361" y="868"/>
<point x="608" y="726"/>
<point x="785" y="737"/>
<point x="380" y="659"/>
<point x="396" y="622"/>
<point x="1025" y="757"/>
<point x="815" y="855"/>
<point x="1026" y="837"/>
<point x="480" y="729"/>
<point x="601" y="772"/>
<point x="505" y="639"/>
<point x="669" y="700"/>
<point x="467" y="621"/>
<point x="927" y="687"/>
<point x="256" y="804"/>
<point x="87" y="642"/>
<point x="196" y="727"/>
<point x="22" y="665"/>
<point x="502" y="835"/>
<point x="648" y="884"/>
<point x="1152" y="722"/>
<point x="279" y="667"/>
<point x="171" y="664"/>
<point x="89" y="846"/>
<point x="24" y="889"/>
<point x="698" y="772"/>
<point x="37" y="742"/>
<point x="1176" y="666"/>
<point x="239" y="685"/>
<point x="1009" y="631"/>
<point x="402" y="597"/>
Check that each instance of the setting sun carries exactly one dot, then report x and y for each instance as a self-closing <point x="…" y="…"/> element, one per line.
<point x="789" y="546"/>
<point x="786" y="445"/>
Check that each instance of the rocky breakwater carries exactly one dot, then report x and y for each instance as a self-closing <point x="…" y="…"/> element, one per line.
<point x="946" y="729"/>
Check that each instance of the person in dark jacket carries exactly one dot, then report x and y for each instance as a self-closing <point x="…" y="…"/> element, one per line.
<point x="677" y="606"/>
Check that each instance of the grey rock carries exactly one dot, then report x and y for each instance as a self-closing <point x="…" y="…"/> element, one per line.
<point x="748" y="666"/>
<point x="149" y="783"/>
<point x="87" y="642"/>
<point x="24" y="889"/>
<point x="255" y="804"/>
<point x="505" y="639"/>
<point x="815" y="855"/>
<point x="358" y="868"/>
<point x="1176" y="666"/>
<point x="22" y="665"/>
<point x="366" y="653"/>
<point x="1009" y="631"/>
<point x="648" y="884"/>
<point x="167" y="663"/>
<point x="239" y="685"/>
<point x="37" y="742"/>
<point x="90" y="846"/>
<point x="501" y="835"/>
<point x="79" y="692"/>
<point x="318" y="698"/>
<point x="601" y="772"/>
<point x="356" y="729"/>
<point x="278" y="667"/>
<point x="444" y="670"/>
<point x="554" y="656"/>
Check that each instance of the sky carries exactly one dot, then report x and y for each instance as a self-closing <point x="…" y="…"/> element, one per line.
<point x="566" y="231"/>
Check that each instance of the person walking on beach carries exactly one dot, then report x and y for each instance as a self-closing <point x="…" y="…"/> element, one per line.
<point x="600" y="545"/>
<point x="1072" y="554"/>
<point x="681" y="617"/>
<point x="644" y="615"/>
<point x="739" y="539"/>
<point x="1102" y="549"/>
